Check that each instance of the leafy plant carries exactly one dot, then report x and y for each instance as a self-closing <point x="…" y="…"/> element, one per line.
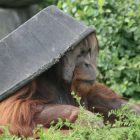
<point x="88" y="126"/>
<point x="127" y="127"/>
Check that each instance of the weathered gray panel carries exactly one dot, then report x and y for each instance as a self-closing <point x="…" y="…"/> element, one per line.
<point x="35" y="46"/>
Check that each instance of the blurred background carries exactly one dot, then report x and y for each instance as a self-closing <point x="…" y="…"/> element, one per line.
<point x="117" y="25"/>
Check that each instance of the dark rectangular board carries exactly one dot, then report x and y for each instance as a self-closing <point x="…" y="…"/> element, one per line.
<point x="37" y="45"/>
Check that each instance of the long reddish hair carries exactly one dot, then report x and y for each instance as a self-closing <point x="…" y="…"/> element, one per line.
<point x="18" y="111"/>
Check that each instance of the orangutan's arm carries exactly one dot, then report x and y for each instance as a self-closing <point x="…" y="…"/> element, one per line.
<point x="52" y="112"/>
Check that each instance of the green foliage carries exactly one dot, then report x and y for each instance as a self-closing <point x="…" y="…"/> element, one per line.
<point x="91" y="128"/>
<point x="128" y="129"/>
<point x="118" y="28"/>
<point x="45" y="3"/>
<point x="7" y="136"/>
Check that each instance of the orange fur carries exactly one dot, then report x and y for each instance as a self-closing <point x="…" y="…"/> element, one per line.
<point x="18" y="111"/>
<point x="28" y="107"/>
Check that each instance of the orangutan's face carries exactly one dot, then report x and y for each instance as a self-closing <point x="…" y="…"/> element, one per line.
<point x="86" y="51"/>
